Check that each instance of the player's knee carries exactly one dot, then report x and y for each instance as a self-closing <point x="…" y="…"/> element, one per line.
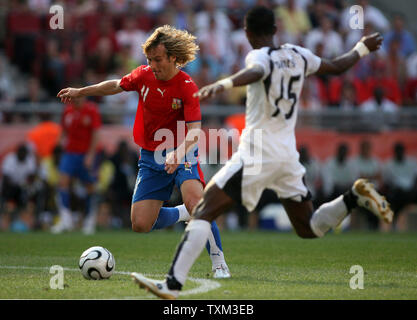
<point x="191" y="203"/>
<point x="141" y="226"/>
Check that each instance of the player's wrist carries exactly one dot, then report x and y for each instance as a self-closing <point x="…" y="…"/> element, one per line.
<point x="361" y="49"/>
<point x="227" y="83"/>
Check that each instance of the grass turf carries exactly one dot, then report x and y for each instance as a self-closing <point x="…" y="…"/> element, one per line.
<point x="264" y="265"/>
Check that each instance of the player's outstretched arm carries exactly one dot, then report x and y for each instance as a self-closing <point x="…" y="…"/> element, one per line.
<point x="241" y="78"/>
<point x="344" y="62"/>
<point x="104" y="88"/>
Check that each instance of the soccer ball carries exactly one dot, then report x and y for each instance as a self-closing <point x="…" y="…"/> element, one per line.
<point x="97" y="263"/>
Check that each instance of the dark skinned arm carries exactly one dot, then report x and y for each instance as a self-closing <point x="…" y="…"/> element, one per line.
<point x="344" y="62"/>
<point x="335" y="66"/>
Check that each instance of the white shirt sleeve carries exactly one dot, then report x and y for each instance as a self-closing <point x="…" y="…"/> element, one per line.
<point x="313" y="61"/>
<point x="261" y="58"/>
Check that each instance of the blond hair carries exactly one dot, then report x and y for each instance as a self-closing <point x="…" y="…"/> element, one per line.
<point x="178" y="43"/>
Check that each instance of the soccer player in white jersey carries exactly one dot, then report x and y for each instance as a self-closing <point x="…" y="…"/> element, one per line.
<point x="275" y="78"/>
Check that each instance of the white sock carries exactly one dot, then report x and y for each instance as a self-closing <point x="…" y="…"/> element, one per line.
<point x="184" y="215"/>
<point x="216" y="255"/>
<point x="65" y="216"/>
<point x="328" y="216"/>
<point x="189" y="250"/>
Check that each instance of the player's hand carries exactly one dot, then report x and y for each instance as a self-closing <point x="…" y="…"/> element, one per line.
<point x="209" y="91"/>
<point x="171" y="162"/>
<point x="373" y="42"/>
<point x="67" y="95"/>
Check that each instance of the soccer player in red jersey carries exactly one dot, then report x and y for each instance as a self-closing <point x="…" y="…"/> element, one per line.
<point x="80" y="123"/>
<point x="166" y="100"/>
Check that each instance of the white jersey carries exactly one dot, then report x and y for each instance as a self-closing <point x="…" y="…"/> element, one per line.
<point x="272" y="102"/>
<point x="267" y="156"/>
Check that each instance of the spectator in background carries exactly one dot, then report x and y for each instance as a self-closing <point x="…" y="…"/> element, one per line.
<point x="49" y="174"/>
<point x="34" y="94"/>
<point x="75" y="65"/>
<point x="295" y="20"/>
<point x="348" y="97"/>
<point x="103" y="61"/>
<point x="204" y="59"/>
<point x="105" y="173"/>
<point x="395" y="62"/>
<point x="204" y="77"/>
<point x="240" y="45"/>
<point x="44" y="136"/>
<point x="39" y="6"/>
<point x="325" y="34"/>
<point x="23" y="26"/>
<point x="367" y="165"/>
<point x="379" y="102"/>
<point x="155" y="6"/>
<point x="310" y="98"/>
<point x="130" y="35"/>
<point x="104" y="30"/>
<point x="125" y="165"/>
<point x="183" y="16"/>
<point x="282" y="36"/>
<point x="53" y="67"/>
<point x="19" y="172"/>
<point x="399" y="33"/>
<point x="105" y="176"/>
<point x="319" y="8"/>
<point x="7" y="89"/>
<point x="379" y="77"/>
<point x="338" y="173"/>
<point x="399" y="175"/>
<point x="410" y="90"/>
<point x="222" y="23"/>
<point x="412" y="66"/>
<point x="216" y="44"/>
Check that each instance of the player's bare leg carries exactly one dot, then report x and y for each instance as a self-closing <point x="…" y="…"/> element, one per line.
<point x="310" y="224"/>
<point x="300" y="214"/>
<point x="147" y="215"/>
<point x="192" y="193"/>
<point x="214" y="202"/>
<point x="144" y="213"/>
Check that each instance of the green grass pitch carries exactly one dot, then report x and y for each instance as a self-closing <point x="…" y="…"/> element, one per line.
<point x="264" y="265"/>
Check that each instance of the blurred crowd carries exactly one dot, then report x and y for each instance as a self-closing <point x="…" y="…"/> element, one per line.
<point x="30" y="183"/>
<point x="102" y="40"/>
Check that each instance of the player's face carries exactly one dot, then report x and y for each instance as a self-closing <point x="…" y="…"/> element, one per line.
<point x="161" y="64"/>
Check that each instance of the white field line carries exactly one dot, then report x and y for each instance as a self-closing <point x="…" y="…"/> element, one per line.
<point x="205" y="285"/>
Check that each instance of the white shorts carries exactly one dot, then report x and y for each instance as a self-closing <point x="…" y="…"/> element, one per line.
<point x="244" y="178"/>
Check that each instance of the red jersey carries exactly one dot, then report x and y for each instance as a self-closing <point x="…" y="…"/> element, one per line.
<point x="161" y="104"/>
<point x="79" y="123"/>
